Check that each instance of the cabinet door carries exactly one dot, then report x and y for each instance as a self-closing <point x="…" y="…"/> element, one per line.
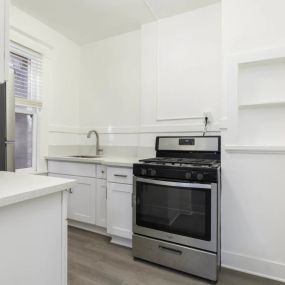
<point x="101" y="203"/>
<point x="4" y="39"/>
<point x="119" y="210"/>
<point x="82" y="199"/>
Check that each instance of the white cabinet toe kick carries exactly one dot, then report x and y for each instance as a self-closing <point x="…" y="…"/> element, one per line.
<point x="102" y="199"/>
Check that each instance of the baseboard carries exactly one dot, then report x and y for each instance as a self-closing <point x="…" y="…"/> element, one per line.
<point x="255" y="266"/>
<point x="122" y="241"/>
<point x="87" y="227"/>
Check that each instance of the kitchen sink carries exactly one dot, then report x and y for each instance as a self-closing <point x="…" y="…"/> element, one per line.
<point x="85" y="156"/>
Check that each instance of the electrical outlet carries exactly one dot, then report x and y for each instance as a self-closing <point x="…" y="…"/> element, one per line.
<point x="209" y="116"/>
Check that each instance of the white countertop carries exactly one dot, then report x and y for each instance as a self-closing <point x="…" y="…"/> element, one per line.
<point x="18" y="187"/>
<point x="105" y="160"/>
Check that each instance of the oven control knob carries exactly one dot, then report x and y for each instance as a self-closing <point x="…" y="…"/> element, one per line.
<point x="143" y="171"/>
<point x="188" y="175"/>
<point x="200" y="176"/>
<point x="152" y="172"/>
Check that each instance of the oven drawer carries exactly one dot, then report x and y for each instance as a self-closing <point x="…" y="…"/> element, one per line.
<point x="120" y="175"/>
<point x="186" y="259"/>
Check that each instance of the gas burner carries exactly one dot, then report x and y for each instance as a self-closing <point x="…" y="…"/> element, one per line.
<point x="183" y="162"/>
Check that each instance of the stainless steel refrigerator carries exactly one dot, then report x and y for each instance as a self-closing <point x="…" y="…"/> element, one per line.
<point x="7" y="125"/>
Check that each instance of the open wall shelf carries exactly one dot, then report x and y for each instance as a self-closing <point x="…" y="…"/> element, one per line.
<point x="262" y="105"/>
<point x="262" y="83"/>
<point x="256" y="92"/>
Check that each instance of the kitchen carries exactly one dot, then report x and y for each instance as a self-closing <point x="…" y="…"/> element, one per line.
<point x="136" y="70"/>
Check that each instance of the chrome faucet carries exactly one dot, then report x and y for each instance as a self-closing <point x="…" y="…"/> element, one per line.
<point x="98" y="149"/>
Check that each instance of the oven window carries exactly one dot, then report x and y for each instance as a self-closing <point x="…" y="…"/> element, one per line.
<point x="177" y="210"/>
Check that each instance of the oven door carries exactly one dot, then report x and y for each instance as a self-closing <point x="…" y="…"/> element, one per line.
<point x="183" y="213"/>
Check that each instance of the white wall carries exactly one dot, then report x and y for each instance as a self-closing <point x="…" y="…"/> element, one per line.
<point x="61" y="79"/>
<point x="110" y="89"/>
<point x="181" y="73"/>
<point x="175" y="63"/>
<point x="253" y="231"/>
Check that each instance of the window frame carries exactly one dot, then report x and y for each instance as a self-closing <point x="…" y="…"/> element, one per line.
<point x="30" y="105"/>
<point x="34" y="113"/>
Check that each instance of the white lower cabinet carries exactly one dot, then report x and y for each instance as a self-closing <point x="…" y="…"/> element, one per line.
<point x="96" y="201"/>
<point x="119" y="210"/>
<point x="82" y="199"/>
<point x="101" y="203"/>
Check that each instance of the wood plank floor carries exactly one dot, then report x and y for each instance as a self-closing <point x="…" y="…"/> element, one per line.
<point x="94" y="261"/>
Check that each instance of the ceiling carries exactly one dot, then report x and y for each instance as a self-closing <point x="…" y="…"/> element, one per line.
<point x="85" y="21"/>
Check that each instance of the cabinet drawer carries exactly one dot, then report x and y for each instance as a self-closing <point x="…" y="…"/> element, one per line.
<point x="72" y="168"/>
<point x="101" y="171"/>
<point x="120" y="175"/>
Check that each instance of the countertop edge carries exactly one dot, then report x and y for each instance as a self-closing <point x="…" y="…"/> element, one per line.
<point x="35" y="193"/>
<point x="101" y="161"/>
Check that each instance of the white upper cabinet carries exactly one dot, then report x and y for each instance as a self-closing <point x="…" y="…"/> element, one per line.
<point x="4" y="39"/>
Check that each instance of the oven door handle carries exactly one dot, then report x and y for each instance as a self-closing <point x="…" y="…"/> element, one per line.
<point x="170" y="250"/>
<point x="174" y="184"/>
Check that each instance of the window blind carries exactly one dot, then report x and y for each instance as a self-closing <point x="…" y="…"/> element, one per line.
<point x="27" y="67"/>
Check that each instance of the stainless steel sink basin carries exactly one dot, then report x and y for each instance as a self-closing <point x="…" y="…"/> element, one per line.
<point x="85" y="156"/>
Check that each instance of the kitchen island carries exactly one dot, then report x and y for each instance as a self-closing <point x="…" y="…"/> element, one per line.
<point x="33" y="229"/>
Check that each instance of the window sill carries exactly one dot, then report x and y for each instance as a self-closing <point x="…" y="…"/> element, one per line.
<point x="31" y="171"/>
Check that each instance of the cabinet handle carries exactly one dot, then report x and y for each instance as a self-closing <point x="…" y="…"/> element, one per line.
<point x="170" y="250"/>
<point x="102" y="171"/>
<point x="121" y="175"/>
<point x="70" y="191"/>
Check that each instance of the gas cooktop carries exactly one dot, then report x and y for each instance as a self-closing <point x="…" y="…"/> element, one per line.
<point x="195" y="159"/>
<point x="184" y="162"/>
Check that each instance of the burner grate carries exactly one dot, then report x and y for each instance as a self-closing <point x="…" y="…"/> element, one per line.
<point x="180" y="161"/>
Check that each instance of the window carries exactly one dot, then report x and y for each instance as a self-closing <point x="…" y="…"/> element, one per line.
<point x="27" y="67"/>
<point x="24" y="139"/>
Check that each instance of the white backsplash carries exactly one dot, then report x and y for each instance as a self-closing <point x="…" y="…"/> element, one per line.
<point x="117" y="151"/>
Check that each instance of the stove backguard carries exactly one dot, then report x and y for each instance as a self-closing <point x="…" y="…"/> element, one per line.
<point x="200" y="147"/>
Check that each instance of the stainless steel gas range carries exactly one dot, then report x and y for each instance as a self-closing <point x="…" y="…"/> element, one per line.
<point x="176" y="205"/>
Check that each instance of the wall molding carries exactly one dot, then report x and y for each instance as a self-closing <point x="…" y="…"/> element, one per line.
<point x="63" y="129"/>
<point x="254" y="149"/>
<point x="111" y="130"/>
<point x="252" y="265"/>
<point x="178" y="128"/>
<point x="158" y="118"/>
<point x="138" y="130"/>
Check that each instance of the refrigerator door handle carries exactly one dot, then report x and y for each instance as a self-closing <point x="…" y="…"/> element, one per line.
<point x="10" y="156"/>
